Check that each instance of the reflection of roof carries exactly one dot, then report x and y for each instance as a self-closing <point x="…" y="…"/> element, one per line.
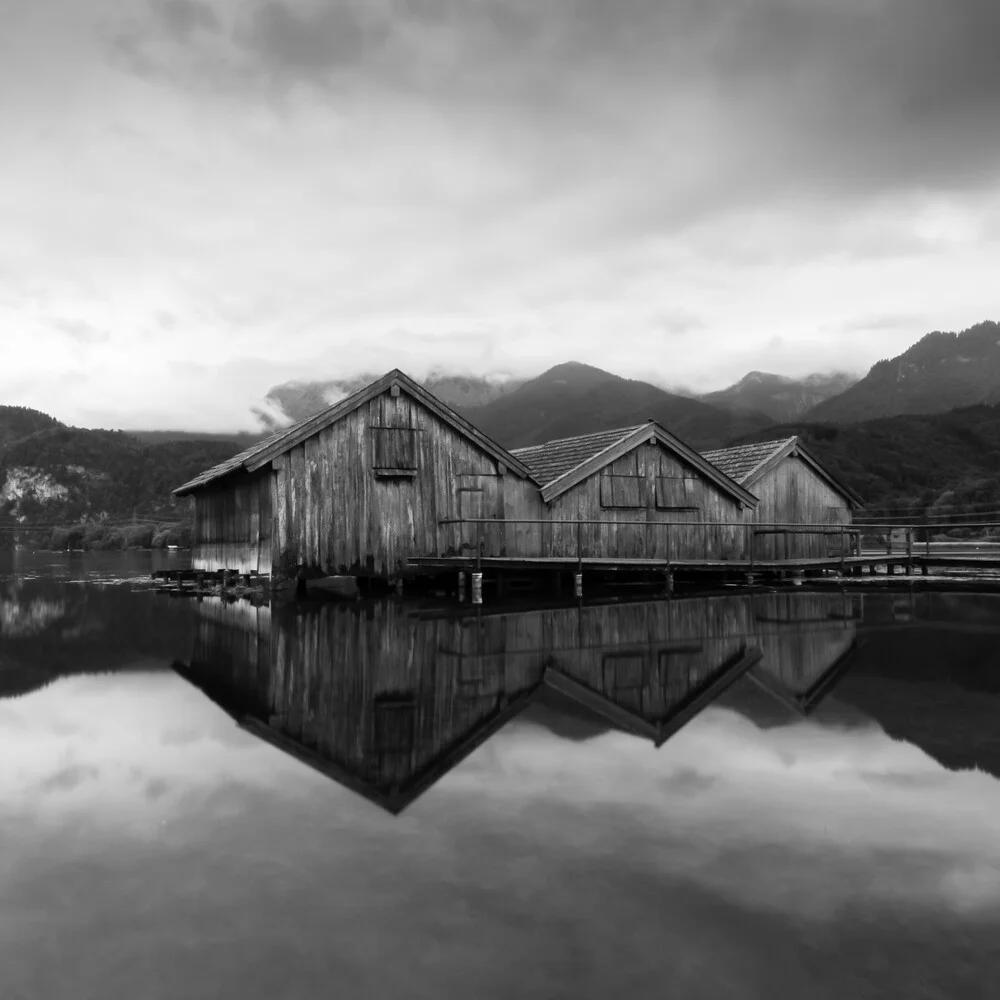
<point x="741" y="462"/>
<point x="550" y="460"/>
<point x="16" y="680"/>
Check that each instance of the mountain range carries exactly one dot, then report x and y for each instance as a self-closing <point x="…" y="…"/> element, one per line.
<point x="940" y="372"/>
<point x="941" y="459"/>
<point x="778" y="396"/>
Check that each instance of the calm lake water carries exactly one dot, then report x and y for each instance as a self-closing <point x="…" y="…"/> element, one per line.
<point x="768" y="794"/>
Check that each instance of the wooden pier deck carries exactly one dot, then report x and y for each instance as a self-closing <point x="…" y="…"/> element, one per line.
<point x="708" y="565"/>
<point x="907" y="550"/>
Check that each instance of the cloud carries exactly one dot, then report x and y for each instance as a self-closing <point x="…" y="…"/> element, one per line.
<point x="80" y="332"/>
<point x="68" y="778"/>
<point x="183" y="17"/>
<point x="323" y="188"/>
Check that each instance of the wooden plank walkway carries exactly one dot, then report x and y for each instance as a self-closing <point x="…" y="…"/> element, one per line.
<point x="743" y="565"/>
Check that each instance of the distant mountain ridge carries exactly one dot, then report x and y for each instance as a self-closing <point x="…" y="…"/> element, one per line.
<point x="779" y="396"/>
<point x="575" y="398"/>
<point x="941" y="372"/>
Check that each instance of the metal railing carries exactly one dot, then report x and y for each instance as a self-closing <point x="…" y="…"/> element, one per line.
<point x="668" y="541"/>
<point x="661" y="541"/>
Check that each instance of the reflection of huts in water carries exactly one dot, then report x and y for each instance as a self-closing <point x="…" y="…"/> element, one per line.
<point x="386" y="701"/>
<point x="362" y="694"/>
<point x="651" y="495"/>
<point x="793" y="487"/>
<point x="808" y="641"/>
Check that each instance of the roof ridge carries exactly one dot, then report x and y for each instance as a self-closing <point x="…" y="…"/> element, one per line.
<point x="750" y="444"/>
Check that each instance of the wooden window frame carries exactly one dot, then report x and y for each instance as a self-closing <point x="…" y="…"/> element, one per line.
<point x="658" y="501"/>
<point x="607" y="482"/>
<point x="393" y="471"/>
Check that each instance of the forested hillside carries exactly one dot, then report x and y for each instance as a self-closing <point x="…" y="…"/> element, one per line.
<point x="948" y="463"/>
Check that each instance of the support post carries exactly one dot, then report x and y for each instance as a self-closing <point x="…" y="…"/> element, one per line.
<point x="479" y="549"/>
<point x="461" y="585"/>
<point x="750" y="546"/>
<point x="843" y="548"/>
<point x="578" y="584"/>
<point x="668" y="579"/>
<point x="579" y="548"/>
<point x="909" y="551"/>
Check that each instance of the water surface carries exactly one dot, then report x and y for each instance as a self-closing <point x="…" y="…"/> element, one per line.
<point x="196" y="799"/>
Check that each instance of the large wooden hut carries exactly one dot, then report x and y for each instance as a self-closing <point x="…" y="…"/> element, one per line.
<point x="359" y="488"/>
<point x="793" y="488"/>
<point x="646" y="494"/>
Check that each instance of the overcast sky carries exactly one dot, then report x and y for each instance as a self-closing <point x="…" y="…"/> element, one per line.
<point x="203" y="198"/>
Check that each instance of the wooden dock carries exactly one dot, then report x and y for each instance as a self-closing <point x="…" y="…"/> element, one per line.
<point x="847" y="557"/>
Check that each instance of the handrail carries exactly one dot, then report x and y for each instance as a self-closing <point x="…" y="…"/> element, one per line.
<point x="855" y="526"/>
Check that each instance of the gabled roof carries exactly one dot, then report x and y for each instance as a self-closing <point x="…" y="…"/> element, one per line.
<point x="592" y="452"/>
<point x="260" y="454"/>
<point x="741" y="462"/>
<point x="550" y="460"/>
<point x="746" y="463"/>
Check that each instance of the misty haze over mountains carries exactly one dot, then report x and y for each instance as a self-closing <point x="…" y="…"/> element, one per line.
<point x="940" y="372"/>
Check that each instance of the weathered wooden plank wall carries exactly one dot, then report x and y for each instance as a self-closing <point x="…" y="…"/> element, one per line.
<point x="339" y="512"/>
<point x="663" y="489"/>
<point x="792" y="493"/>
<point x="232" y="525"/>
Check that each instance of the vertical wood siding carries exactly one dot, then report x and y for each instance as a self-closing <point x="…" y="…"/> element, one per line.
<point x="666" y="489"/>
<point x="792" y="493"/>
<point x="232" y="526"/>
<point x="335" y="510"/>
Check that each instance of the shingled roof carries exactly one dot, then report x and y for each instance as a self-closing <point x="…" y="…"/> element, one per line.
<point x="741" y="462"/>
<point x="746" y="463"/>
<point x="560" y="465"/>
<point x="554" y="458"/>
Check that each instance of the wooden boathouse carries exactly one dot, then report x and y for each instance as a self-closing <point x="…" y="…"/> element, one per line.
<point x="391" y="482"/>
<point x="360" y="488"/>
<point x="793" y="488"/>
<point x="631" y="493"/>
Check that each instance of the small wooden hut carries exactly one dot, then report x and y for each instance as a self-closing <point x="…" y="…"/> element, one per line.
<point x="359" y="488"/>
<point x="793" y="488"/>
<point x="647" y="494"/>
